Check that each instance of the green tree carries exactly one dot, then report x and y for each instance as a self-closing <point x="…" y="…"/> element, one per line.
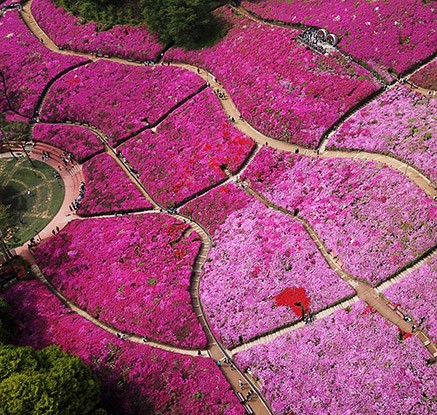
<point x="5" y="321"/>
<point x="188" y="23"/>
<point x="45" y="382"/>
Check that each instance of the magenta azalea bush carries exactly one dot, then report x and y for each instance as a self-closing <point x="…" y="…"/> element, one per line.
<point x="70" y="33"/>
<point x="74" y="139"/>
<point x="125" y="99"/>
<point x="130" y="272"/>
<point x="386" y="34"/>
<point x="292" y="93"/>
<point x="212" y="209"/>
<point x="259" y="253"/>
<point x="417" y="295"/>
<point x="109" y="189"/>
<point x="347" y="363"/>
<point x="136" y="379"/>
<point x="426" y="77"/>
<point x="372" y="216"/>
<point x="400" y="123"/>
<point x="189" y="151"/>
<point x="26" y="64"/>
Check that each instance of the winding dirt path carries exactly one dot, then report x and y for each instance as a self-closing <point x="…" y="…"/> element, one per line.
<point x="231" y="110"/>
<point x="215" y="350"/>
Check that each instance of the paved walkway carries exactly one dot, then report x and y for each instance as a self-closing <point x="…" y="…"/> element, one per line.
<point x="71" y="179"/>
<point x="364" y="291"/>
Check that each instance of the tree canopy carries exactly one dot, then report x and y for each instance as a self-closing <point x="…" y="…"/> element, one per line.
<point x="187" y="23"/>
<point x="45" y="382"/>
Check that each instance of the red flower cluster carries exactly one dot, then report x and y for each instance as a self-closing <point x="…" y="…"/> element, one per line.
<point x="296" y="298"/>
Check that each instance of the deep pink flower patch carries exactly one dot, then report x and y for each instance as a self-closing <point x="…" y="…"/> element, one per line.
<point x="426" y="77"/>
<point x="131" y="272"/>
<point x="193" y="385"/>
<point x="386" y="34"/>
<point x="133" y="42"/>
<point x="109" y="189"/>
<point x="27" y="65"/>
<point x="79" y="141"/>
<point x="120" y="99"/>
<point x="189" y="152"/>
<point x="289" y="93"/>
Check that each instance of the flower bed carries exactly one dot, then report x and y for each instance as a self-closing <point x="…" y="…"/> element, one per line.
<point x="372" y="216"/>
<point x="417" y="295"/>
<point x="129" y="42"/>
<point x="426" y="77"/>
<point x="259" y="254"/>
<point x="386" y="34"/>
<point x="213" y="208"/>
<point x="136" y="379"/>
<point x="79" y="141"/>
<point x="132" y="273"/>
<point x="125" y="98"/>
<point x="26" y="64"/>
<point x="189" y="151"/>
<point x="290" y="93"/>
<point x="342" y="364"/>
<point x="109" y="189"/>
<point x="400" y="123"/>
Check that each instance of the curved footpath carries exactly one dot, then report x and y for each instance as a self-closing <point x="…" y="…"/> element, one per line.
<point x="231" y="110"/>
<point x="215" y="350"/>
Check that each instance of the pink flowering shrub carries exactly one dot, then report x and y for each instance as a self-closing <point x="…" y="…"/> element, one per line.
<point x="259" y="253"/>
<point x="27" y="65"/>
<point x="130" y="272"/>
<point x="347" y="363"/>
<point x="133" y="42"/>
<point x="372" y="216"/>
<point x="189" y="151"/>
<point x="386" y="34"/>
<point x="124" y="98"/>
<point x="109" y="189"/>
<point x="79" y="141"/>
<point x="400" y="123"/>
<point x="417" y="295"/>
<point x="136" y="379"/>
<point x="213" y="208"/>
<point x="291" y="93"/>
<point x="426" y="77"/>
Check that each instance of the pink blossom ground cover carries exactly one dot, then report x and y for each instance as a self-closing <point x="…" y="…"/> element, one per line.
<point x="400" y="123"/>
<point x="290" y="93"/>
<point x="79" y="141"/>
<point x="136" y="379"/>
<point x="120" y="99"/>
<point x="372" y="216"/>
<point x="347" y="363"/>
<point x="213" y="208"/>
<point x="131" y="272"/>
<point x="386" y="34"/>
<point x="27" y="65"/>
<point x="133" y="42"/>
<point x="426" y="77"/>
<point x="417" y="295"/>
<point x="109" y="189"/>
<point x="189" y="151"/>
<point x="260" y="252"/>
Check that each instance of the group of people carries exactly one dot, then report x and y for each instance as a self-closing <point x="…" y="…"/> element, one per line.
<point x="45" y="155"/>
<point x="75" y="205"/>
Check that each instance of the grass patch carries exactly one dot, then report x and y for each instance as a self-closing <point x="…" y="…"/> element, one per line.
<point x="28" y="214"/>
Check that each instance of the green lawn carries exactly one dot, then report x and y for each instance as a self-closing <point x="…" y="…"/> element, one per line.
<point x="17" y="177"/>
